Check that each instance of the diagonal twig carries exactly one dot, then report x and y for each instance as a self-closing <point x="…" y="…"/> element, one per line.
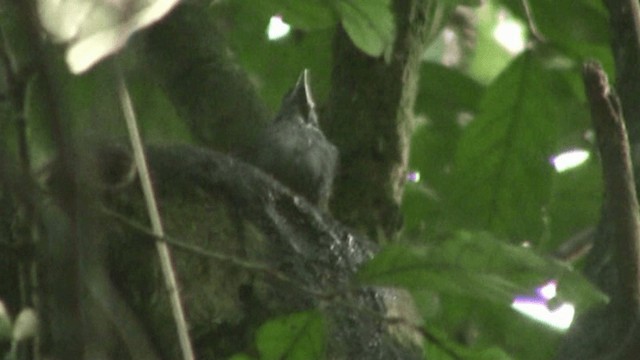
<point x="156" y="224"/>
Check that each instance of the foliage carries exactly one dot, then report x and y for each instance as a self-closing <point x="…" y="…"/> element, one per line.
<point x="296" y="336"/>
<point x="476" y="266"/>
<point x="483" y="151"/>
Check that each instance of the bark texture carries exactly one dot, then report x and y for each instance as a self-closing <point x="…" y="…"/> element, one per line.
<point x="369" y="119"/>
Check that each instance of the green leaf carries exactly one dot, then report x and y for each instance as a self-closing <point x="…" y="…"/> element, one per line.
<point x="477" y="266"/>
<point x="445" y="91"/>
<point x="579" y="21"/>
<point x="576" y="202"/>
<point x="369" y="24"/>
<point x="297" y="336"/>
<point x="489" y="57"/>
<point x="580" y="28"/>
<point x="435" y="350"/>
<point x="443" y="96"/>
<point x="502" y="176"/>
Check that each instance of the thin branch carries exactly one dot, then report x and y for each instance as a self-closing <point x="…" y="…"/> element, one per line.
<point x="163" y="250"/>
<point x="531" y="22"/>
<point x="621" y="203"/>
<point x="575" y="247"/>
<point x="178" y="244"/>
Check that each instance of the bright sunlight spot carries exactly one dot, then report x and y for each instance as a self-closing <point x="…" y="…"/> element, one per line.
<point x="277" y="29"/>
<point x="413" y="176"/>
<point x="510" y="34"/>
<point x="569" y="159"/>
<point x="547" y="291"/>
<point x="537" y="307"/>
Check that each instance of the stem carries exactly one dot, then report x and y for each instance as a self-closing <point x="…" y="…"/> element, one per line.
<point x="531" y="23"/>
<point x="624" y="18"/>
<point x="156" y="224"/>
<point x="621" y="204"/>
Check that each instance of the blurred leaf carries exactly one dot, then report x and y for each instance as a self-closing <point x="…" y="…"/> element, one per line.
<point x="576" y="202"/>
<point x="477" y="266"/>
<point x="580" y="28"/>
<point x="485" y="325"/>
<point x="445" y="95"/>
<point x="297" y="336"/>
<point x="445" y="92"/>
<point x="369" y="24"/>
<point x="95" y="29"/>
<point x="422" y="209"/>
<point x="580" y="21"/>
<point x="304" y="14"/>
<point x="442" y="348"/>
<point x="432" y="152"/>
<point x="489" y="57"/>
<point x="502" y="179"/>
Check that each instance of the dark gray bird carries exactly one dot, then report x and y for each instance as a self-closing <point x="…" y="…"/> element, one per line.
<point x="294" y="150"/>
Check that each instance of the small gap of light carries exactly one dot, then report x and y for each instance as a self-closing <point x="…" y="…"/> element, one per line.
<point x="509" y="33"/>
<point x="548" y="290"/>
<point x="413" y="176"/>
<point x="537" y="307"/>
<point x="277" y="28"/>
<point x="569" y="159"/>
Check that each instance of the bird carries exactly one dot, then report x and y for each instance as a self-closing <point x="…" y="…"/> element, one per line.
<point x="294" y="150"/>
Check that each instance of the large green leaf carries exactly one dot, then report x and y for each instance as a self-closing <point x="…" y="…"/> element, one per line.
<point x="576" y="203"/>
<point x="369" y="24"/>
<point x="298" y="336"/>
<point x="445" y="95"/>
<point x="502" y="178"/>
<point x="477" y="266"/>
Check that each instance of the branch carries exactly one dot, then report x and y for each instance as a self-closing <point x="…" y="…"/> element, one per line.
<point x="621" y="204"/>
<point x="370" y="111"/>
<point x="624" y="20"/>
<point x="163" y="250"/>
<point x="63" y="332"/>
<point x="531" y="23"/>
<point x="199" y="251"/>
<point x="210" y="91"/>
